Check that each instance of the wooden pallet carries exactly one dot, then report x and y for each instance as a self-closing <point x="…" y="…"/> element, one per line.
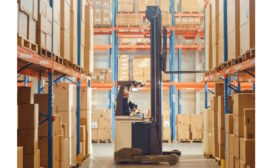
<point x="190" y="12"/>
<point x="67" y="63"/>
<point x="101" y="141"/>
<point x="46" y="53"/>
<point x="196" y="140"/>
<point x="103" y="26"/>
<point x="208" y="156"/>
<point x="27" y="44"/>
<point x="248" y="54"/>
<point x="166" y="141"/>
<point x="58" y="59"/>
<point x="185" y="141"/>
<point x="76" y="67"/>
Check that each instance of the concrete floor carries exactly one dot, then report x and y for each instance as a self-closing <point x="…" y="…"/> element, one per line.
<point x="191" y="157"/>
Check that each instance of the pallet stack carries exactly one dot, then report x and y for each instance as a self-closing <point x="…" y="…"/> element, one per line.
<point x="73" y="31"/>
<point x="27" y="24"/>
<point x="89" y="40"/>
<point x="196" y="121"/>
<point x="189" y="6"/>
<point x="27" y="132"/>
<point x="102" y="16"/>
<point x="123" y="70"/>
<point x="60" y="141"/>
<point x="141" y="68"/>
<point x="102" y="75"/>
<point x="241" y="30"/>
<point x="129" y="20"/>
<point x="85" y="121"/>
<point x="183" y="124"/>
<point x="101" y="125"/>
<point x="187" y="21"/>
<point x="241" y="102"/>
<point x="125" y="6"/>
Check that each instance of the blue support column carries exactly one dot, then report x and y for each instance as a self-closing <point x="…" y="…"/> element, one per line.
<point x="114" y="64"/>
<point x="180" y="80"/>
<point x="25" y="80"/>
<point x="89" y="84"/>
<point x="239" y="85"/>
<point x="205" y="85"/>
<point x="229" y="89"/>
<point x="172" y="68"/>
<point x="225" y="59"/>
<point x="39" y="84"/>
<point x="78" y="80"/>
<point x="50" y="113"/>
<point x="109" y="52"/>
<point x="254" y="87"/>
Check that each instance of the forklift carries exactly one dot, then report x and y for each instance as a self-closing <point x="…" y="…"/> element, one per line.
<point x="139" y="140"/>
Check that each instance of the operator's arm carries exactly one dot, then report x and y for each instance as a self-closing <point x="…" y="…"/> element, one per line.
<point x="132" y="105"/>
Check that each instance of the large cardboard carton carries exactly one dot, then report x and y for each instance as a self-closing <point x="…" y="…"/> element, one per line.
<point x="236" y="146"/>
<point x="237" y="162"/>
<point x="25" y="95"/>
<point x="247" y="150"/>
<point x="221" y="135"/>
<point x="249" y="131"/>
<point x="242" y="101"/>
<point x="229" y="123"/>
<point x="231" y="143"/>
<point x="86" y="98"/>
<point x="32" y="161"/>
<point x="231" y="161"/>
<point x="249" y="116"/>
<point x="42" y="101"/>
<point x="82" y="133"/>
<point x="227" y="160"/>
<point x="19" y="157"/>
<point x="238" y="125"/>
<point x="56" y="124"/>
<point x="227" y="143"/>
<point x="28" y="116"/>
<point x="28" y="139"/>
<point x="43" y="146"/>
<point x="246" y="165"/>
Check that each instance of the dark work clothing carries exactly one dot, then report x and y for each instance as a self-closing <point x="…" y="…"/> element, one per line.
<point x="127" y="107"/>
<point x="126" y="110"/>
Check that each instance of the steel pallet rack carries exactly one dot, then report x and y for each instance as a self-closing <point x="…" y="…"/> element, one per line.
<point x="35" y="65"/>
<point x="246" y="66"/>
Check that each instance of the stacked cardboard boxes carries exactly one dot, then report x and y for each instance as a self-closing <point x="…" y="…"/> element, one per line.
<point x="19" y="157"/>
<point x="220" y="34"/>
<point x="208" y="139"/>
<point x="102" y="16"/>
<point x="125" y="5"/>
<point x="130" y="20"/>
<point x="215" y="33"/>
<point x="187" y="21"/>
<point x="141" y="68"/>
<point x="166" y="129"/>
<point x="101" y="125"/>
<point x="89" y="42"/>
<point x="27" y="19"/>
<point x="44" y="25"/>
<point x="247" y="144"/>
<point x="233" y="22"/>
<point x="123" y="70"/>
<point x="73" y="32"/>
<point x="86" y="119"/>
<point x="141" y="5"/>
<point x="102" y="75"/>
<point x="247" y="25"/>
<point x="208" y="32"/>
<point x="196" y="123"/>
<point x="183" y="124"/>
<point x="27" y="132"/>
<point x="60" y="139"/>
<point x="189" y="6"/>
<point x="241" y="102"/>
<point x="229" y="146"/>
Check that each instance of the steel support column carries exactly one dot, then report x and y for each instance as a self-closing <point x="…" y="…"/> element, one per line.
<point x="114" y="64"/>
<point x="25" y="80"/>
<point x="78" y="80"/>
<point x="180" y="80"/>
<point x="39" y="84"/>
<point x="225" y="59"/>
<point x="172" y="68"/>
<point x="205" y="85"/>
<point x="50" y="113"/>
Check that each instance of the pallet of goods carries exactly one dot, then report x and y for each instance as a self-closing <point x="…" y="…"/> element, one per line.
<point x="166" y="129"/>
<point x="102" y="16"/>
<point x="101" y="126"/>
<point x="102" y="75"/>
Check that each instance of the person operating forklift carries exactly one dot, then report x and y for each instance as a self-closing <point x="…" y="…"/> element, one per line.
<point x="129" y="108"/>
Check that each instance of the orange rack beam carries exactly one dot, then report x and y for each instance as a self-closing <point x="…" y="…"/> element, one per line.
<point x="145" y="47"/>
<point x="45" y="62"/>
<point x="250" y="63"/>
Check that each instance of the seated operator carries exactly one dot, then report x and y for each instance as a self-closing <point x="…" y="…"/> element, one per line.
<point x="128" y="107"/>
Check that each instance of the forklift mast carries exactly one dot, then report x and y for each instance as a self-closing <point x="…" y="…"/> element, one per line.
<point x="153" y="14"/>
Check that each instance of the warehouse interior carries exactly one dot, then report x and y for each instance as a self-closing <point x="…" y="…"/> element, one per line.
<point x="195" y="99"/>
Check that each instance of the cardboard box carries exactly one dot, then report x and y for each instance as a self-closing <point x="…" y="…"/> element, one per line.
<point x="221" y="151"/>
<point x="65" y="154"/>
<point x="229" y="123"/>
<point x="236" y="146"/>
<point x="247" y="150"/>
<point x="231" y="143"/>
<point x="31" y="30"/>
<point x="246" y="165"/>
<point x="43" y="146"/>
<point x="32" y="161"/>
<point x="28" y="139"/>
<point x="86" y="98"/>
<point x="28" y="116"/>
<point x="56" y="124"/>
<point x="249" y="116"/>
<point x="82" y="133"/>
<point x="25" y="95"/>
<point x="249" y="131"/>
<point x="231" y="161"/>
<point x="26" y="6"/>
<point x="237" y="162"/>
<point x="227" y="160"/>
<point x="19" y="157"/>
<point x="243" y="101"/>
<point x="221" y="135"/>
<point x="238" y="125"/>
<point x="219" y="89"/>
